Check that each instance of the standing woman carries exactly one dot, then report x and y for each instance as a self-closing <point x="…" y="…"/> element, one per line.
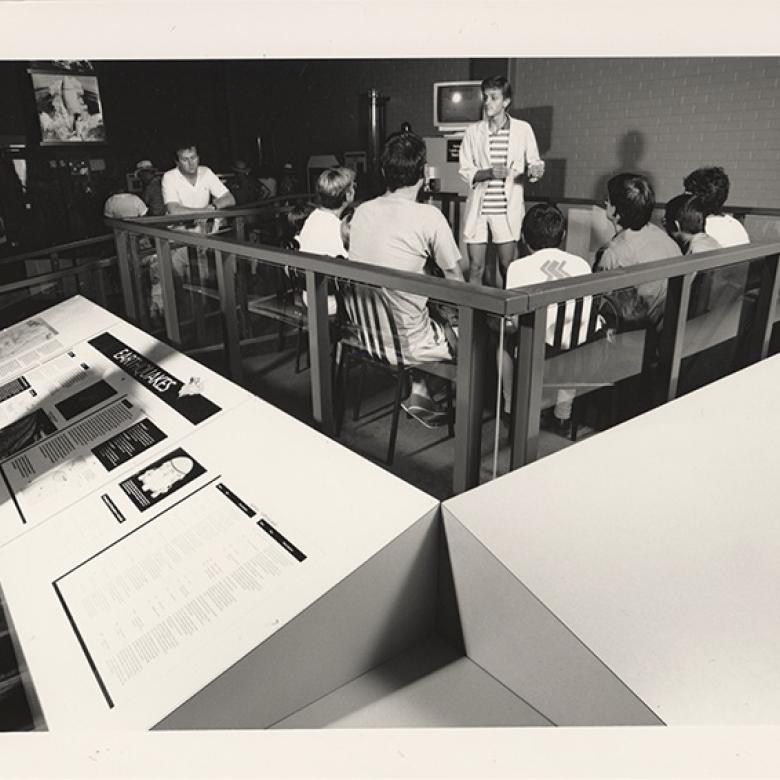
<point x="495" y="157"/>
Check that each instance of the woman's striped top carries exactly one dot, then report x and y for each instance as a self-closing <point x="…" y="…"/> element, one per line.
<point x="494" y="199"/>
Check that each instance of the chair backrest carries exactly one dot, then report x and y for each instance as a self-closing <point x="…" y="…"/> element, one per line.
<point x="576" y="322"/>
<point x="370" y="321"/>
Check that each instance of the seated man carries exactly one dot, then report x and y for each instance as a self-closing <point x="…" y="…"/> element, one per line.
<point x="152" y="187"/>
<point x="712" y="187"/>
<point x="543" y="231"/>
<point x="629" y="206"/>
<point x="191" y="186"/>
<point x="395" y="231"/>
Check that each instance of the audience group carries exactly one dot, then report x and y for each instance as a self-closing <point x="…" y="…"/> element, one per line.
<point x="396" y="230"/>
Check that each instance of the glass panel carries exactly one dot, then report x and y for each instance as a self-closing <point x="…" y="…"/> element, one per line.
<point x="721" y="311"/>
<point x="593" y="369"/>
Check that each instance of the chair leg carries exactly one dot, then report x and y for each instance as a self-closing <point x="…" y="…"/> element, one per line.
<point x="575" y="417"/>
<point x="341" y="384"/>
<point x="359" y="402"/>
<point x="450" y="414"/>
<point x="399" y="395"/>
<point x="280" y="338"/>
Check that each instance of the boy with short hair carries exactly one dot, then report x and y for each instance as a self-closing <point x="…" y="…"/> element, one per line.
<point x="321" y="233"/>
<point x="543" y="231"/>
<point x="629" y="206"/>
<point x="712" y="186"/>
<point x="684" y="221"/>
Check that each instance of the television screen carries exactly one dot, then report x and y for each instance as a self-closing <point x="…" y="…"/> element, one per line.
<point x="458" y="103"/>
<point x="68" y="106"/>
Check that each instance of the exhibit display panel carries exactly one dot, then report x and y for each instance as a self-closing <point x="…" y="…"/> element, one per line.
<point x="633" y="578"/>
<point x="83" y="395"/>
<point x="229" y="574"/>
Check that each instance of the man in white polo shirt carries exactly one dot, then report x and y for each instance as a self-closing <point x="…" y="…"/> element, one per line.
<point x="193" y="187"/>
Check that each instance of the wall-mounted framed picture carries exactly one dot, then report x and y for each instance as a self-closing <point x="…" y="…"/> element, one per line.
<point x="67" y="101"/>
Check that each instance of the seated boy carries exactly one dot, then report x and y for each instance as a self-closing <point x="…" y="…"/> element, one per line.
<point x="712" y="187"/>
<point x="684" y="221"/>
<point x="629" y="206"/>
<point x="543" y="231"/>
<point x="321" y="233"/>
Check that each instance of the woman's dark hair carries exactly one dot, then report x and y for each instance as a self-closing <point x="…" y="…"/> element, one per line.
<point x="687" y="211"/>
<point x="633" y="199"/>
<point x="403" y="160"/>
<point x="712" y="187"/>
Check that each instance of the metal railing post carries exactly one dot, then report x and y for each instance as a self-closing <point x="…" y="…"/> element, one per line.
<point x="765" y="310"/>
<point x="121" y="238"/>
<point x="226" y="284"/>
<point x="168" y="289"/>
<point x="472" y="356"/>
<point x="672" y="339"/>
<point x="528" y="382"/>
<point x="319" y="351"/>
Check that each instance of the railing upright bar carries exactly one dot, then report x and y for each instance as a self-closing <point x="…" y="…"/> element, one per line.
<point x="672" y="340"/>
<point x="766" y="307"/>
<point x="122" y="238"/>
<point x="226" y="284"/>
<point x="319" y="351"/>
<point x="99" y="284"/>
<point x="472" y="356"/>
<point x="168" y="287"/>
<point x="240" y="226"/>
<point x="528" y="382"/>
<point x="142" y="310"/>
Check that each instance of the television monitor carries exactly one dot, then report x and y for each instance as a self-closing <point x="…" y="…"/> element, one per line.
<point x="456" y="105"/>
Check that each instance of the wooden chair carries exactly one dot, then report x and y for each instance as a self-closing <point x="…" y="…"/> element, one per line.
<point x="579" y="357"/>
<point x="369" y="337"/>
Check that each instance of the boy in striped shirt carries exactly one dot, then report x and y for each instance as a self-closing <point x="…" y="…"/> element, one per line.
<point x="496" y="156"/>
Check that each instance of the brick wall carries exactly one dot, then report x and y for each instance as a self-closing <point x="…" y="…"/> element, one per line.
<point x="660" y="116"/>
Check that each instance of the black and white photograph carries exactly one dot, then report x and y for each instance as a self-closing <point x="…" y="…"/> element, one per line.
<point x="474" y="305"/>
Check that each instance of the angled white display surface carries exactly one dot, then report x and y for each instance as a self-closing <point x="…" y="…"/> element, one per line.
<point x="226" y="576"/>
<point x="655" y="546"/>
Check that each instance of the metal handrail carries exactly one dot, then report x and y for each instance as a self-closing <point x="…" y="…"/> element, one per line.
<point x="475" y="305"/>
<point x="487" y="299"/>
<point x="55" y="276"/>
<point x="46" y="254"/>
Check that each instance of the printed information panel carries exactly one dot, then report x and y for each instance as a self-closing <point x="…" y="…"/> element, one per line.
<point x="72" y="423"/>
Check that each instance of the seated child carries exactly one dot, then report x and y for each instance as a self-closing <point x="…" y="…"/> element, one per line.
<point x="629" y="204"/>
<point x="543" y="231"/>
<point x="712" y="187"/>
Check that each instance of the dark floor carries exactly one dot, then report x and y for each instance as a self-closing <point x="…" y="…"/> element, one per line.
<point x="423" y="457"/>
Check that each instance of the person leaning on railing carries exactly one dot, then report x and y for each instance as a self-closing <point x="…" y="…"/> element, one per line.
<point x="629" y="204"/>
